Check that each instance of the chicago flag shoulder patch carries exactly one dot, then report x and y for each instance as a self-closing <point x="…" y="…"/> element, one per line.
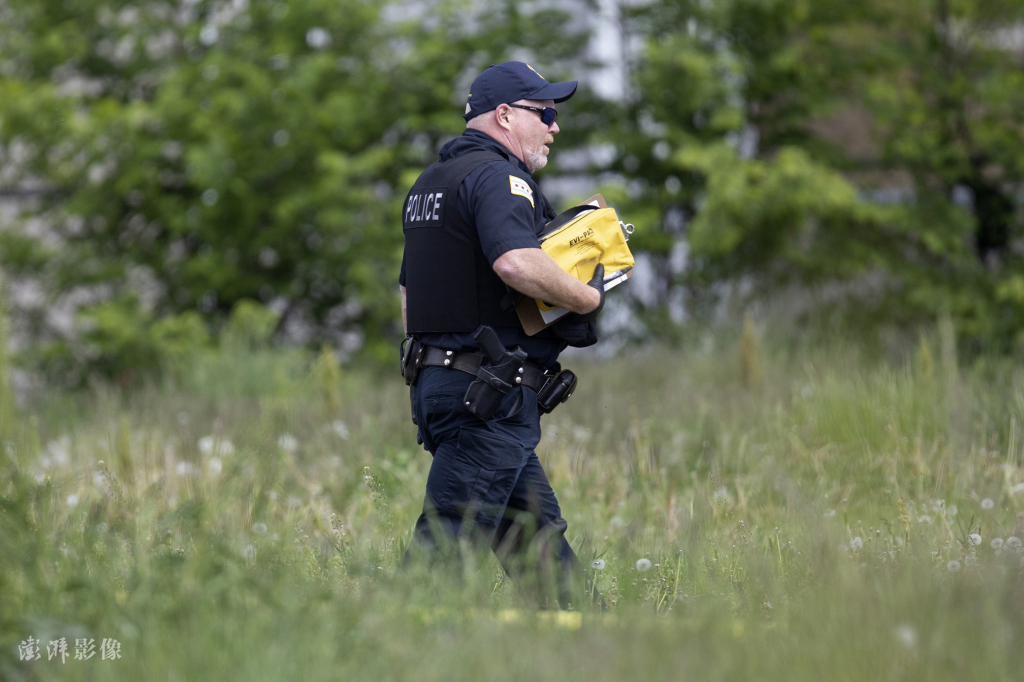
<point x="521" y="188"/>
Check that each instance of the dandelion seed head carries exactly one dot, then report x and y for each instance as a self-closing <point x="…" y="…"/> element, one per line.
<point x="830" y="513"/>
<point x="249" y="551"/>
<point x="987" y="503"/>
<point x="340" y="429"/>
<point x="643" y="564"/>
<point x="856" y="543"/>
<point x="71" y="500"/>
<point x="1013" y="543"/>
<point x="186" y="469"/>
<point x="259" y="528"/>
<point x="997" y="543"/>
<point x="953" y="566"/>
<point x="907" y="636"/>
<point x="925" y="519"/>
<point x="597" y="564"/>
<point x="974" y="539"/>
<point x="951" y="510"/>
<point x="288" y="442"/>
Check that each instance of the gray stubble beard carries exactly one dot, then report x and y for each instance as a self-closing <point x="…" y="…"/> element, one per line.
<point x="535" y="160"/>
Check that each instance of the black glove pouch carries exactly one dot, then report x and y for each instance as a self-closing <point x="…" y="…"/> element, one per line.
<point x="556" y="391"/>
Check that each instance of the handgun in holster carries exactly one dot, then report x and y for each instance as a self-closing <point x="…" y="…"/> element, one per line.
<point x="495" y="378"/>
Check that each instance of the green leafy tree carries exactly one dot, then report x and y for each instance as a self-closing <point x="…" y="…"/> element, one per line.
<point x="809" y="142"/>
<point x="193" y="155"/>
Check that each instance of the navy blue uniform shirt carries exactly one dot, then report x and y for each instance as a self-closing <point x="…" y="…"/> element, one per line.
<point x="504" y="203"/>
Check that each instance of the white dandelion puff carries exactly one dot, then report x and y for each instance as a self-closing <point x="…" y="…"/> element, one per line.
<point x="208" y="445"/>
<point x="925" y="519"/>
<point x="830" y="513"/>
<point x="216" y="466"/>
<point x="997" y="543"/>
<point x="249" y="551"/>
<point x="907" y="636"/>
<point x="937" y="505"/>
<point x="597" y="564"/>
<point x="953" y="566"/>
<point x="186" y="469"/>
<point x="1013" y="543"/>
<point x="721" y="493"/>
<point x="856" y="544"/>
<point x="951" y="510"/>
<point x="974" y="539"/>
<point x="340" y="429"/>
<point x="987" y="503"/>
<point x="294" y="501"/>
<point x="288" y="442"/>
<point x="259" y="528"/>
<point x="72" y="500"/>
<point x="643" y="564"/>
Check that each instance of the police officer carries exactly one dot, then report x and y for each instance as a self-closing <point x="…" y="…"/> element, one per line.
<point x="471" y="223"/>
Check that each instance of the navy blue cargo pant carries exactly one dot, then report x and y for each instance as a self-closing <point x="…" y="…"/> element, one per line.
<point x="486" y="483"/>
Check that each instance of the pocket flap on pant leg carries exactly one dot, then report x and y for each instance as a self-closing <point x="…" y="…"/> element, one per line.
<point x="489" y="450"/>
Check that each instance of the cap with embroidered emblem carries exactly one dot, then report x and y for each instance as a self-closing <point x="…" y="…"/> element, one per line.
<point x="511" y="82"/>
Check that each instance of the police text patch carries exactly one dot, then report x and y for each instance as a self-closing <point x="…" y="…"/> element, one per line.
<point x="521" y="188"/>
<point x="424" y="208"/>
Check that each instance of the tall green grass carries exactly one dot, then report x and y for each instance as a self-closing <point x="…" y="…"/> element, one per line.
<point x="245" y="521"/>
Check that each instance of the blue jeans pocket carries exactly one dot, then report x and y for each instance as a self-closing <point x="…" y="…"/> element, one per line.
<point x="481" y="476"/>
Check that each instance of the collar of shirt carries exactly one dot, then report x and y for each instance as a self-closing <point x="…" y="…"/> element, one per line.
<point x="474" y="140"/>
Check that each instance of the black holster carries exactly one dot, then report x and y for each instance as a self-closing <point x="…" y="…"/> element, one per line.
<point x="411" y="357"/>
<point x="495" y="379"/>
<point x="410" y="354"/>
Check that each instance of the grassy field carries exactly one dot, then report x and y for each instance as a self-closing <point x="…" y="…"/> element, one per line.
<point x="819" y="513"/>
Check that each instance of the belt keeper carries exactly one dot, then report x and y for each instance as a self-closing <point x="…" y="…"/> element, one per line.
<point x="448" y="360"/>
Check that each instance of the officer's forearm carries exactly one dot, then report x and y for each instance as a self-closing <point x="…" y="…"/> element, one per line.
<point x="536" y="274"/>
<point x="405" y="322"/>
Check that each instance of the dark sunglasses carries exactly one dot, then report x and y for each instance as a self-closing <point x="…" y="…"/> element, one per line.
<point x="547" y="114"/>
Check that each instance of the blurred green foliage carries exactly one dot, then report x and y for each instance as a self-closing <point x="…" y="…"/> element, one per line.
<point x="194" y="155"/>
<point x="811" y="142"/>
<point x="186" y="157"/>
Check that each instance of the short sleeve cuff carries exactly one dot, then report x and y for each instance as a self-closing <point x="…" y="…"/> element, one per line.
<point x="501" y="248"/>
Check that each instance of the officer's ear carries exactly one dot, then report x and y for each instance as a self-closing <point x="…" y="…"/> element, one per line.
<point x="503" y="116"/>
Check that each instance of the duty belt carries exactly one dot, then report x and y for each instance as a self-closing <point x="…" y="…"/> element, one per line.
<point x="530" y="375"/>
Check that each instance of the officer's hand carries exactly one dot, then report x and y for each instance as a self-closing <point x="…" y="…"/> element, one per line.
<point x="597" y="282"/>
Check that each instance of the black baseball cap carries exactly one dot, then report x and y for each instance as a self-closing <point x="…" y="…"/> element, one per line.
<point x="511" y="82"/>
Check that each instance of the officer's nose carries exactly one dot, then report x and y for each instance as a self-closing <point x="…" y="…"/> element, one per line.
<point x="554" y="128"/>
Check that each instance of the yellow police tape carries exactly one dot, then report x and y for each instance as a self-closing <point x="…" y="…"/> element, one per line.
<point x="592" y="237"/>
